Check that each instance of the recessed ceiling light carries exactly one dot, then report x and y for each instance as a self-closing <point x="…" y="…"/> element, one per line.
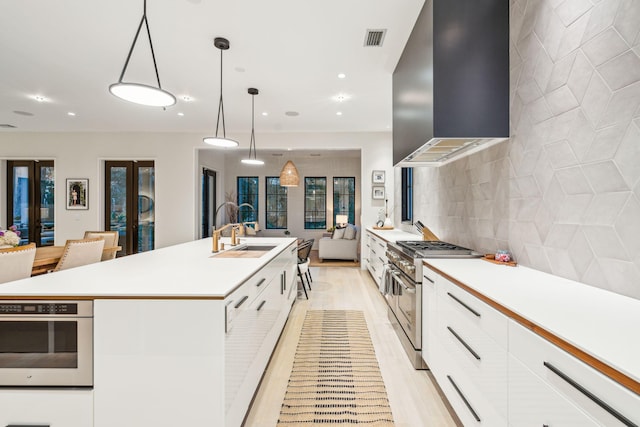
<point x="71" y="113"/>
<point x="339" y="113"/>
<point x="39" y="98"/>
<point x="292" y="113"/>
<point x="187" y="98"/>
<point x="264" y="113"/>
<point x="181" y="114"/>
<point x="342" y="75"/>
<point x="341" y="97"/>
<point x="23" y="113"/>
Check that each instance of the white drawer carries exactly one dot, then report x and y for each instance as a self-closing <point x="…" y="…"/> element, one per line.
<point x="470" y="404"/>
<point x="559" y="369"/>
<point x="533" y="403"/>
<point x="472" y="311"/>
<point x="483" y="361"/>
<point x="55" y="408"/>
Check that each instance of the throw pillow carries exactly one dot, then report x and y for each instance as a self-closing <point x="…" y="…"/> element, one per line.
<point x="338" y="233"/>
<point x="350" y="232"/>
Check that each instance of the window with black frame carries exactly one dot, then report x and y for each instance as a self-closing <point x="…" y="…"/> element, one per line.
<point x="276" y="204"/>
<point x="315" y="206"/>
<point x="407" y="195"/>
<point x="248" y="193"/>
<point x="344" y="198"/>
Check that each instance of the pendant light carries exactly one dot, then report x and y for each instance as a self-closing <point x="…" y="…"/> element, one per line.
<point x="223" y="141"/>
<point x="289" y="175"/>
<point x="252" y="144"/>
<point x="137" y="92"/>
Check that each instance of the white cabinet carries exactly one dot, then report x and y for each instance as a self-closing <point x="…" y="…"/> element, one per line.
<point x="52" y="408"/>
<point x="429" y="278"/>
<point x="496" y="372"/>
<point x="534" y="403"/>
<point x="601" y="398"/>
<point x="183" y="362"/>
<point x="469" y="355"/>
<point x="376" y="257"/>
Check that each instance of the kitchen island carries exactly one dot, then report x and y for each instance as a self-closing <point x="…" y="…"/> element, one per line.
<point x="180" y="336"/>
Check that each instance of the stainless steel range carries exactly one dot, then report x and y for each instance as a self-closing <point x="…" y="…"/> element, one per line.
<point x="403" y="288"/>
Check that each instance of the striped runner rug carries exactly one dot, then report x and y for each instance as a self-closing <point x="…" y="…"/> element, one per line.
<point x="335" y="377"/>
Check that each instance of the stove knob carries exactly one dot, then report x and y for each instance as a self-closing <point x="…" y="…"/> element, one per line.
<point x="410" y="269"/>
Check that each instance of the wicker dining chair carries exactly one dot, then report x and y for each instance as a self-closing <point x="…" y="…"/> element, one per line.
<point x="80" y="252"/>
<point x="110" y="241"/>
<point x="16" y="263"/>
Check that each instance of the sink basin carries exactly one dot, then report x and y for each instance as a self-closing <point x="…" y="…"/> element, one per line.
<point x="265" y="248"/>
<point x="245" y="251"/>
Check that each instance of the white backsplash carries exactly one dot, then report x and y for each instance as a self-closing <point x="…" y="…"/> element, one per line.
<point x="563" y="194"/>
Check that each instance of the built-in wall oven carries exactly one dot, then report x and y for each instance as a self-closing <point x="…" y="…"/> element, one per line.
<point x="403" y="288"/>
<point x="46" y="343"/>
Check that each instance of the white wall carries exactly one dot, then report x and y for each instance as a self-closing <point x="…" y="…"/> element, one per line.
<point x="563" y="194"/>
<point x="307" y="166"/>
<point x="178" y="165"/>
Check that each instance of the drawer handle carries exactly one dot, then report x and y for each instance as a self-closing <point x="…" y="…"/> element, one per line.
<point x="467" y="346"/>
<point x="28" y="425"/>
<point x="463" y="304"/>
<point x="372" y="267"/>
<point x="294" y="249"/>
<point x="260" y="282"/>
<point x="373" y="251"/>
<point x="431" y="280"/>
<point x="261" y="304"/>
<point x="624" y="420"/>
<point x="464" y="399"/>
<point x="242" y="300"/>
<point x="381" y="260"/>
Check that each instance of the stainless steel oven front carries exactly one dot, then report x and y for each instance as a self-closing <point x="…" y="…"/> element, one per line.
<point x="405" y="305"/>
<point x="46" y="343"/>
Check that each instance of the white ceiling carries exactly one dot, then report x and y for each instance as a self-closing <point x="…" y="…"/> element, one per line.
<point x="70" y="51"/>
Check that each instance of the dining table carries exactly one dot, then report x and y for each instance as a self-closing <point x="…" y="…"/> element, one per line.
<point x="47" y="258"/>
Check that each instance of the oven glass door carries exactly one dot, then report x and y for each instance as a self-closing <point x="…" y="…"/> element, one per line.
<point x="406" y="307"/>
<point x="37" y="351"/>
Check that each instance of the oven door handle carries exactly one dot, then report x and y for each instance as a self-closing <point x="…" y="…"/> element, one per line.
<point x="398" y="278"/>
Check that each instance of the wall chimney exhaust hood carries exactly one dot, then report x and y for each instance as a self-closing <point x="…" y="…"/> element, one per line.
<point x="451" y="84"/>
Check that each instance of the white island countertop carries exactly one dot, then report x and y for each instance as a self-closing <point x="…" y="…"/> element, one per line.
<point x="598" y="322"/>
<point x="184" y="271"/>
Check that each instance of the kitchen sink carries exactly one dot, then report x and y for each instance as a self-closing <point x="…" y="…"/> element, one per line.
<point x="245" y="251"/>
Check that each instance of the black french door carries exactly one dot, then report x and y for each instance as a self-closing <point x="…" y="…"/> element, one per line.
<point x="30" y="200"/>
<point x="130" y="204"/>
<point x="208" y="201"/>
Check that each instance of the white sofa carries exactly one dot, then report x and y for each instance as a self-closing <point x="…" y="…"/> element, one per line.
<point x="340" y="248"/>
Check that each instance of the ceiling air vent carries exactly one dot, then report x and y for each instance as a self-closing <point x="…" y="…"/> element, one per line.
<point x="6" y="126"/>
<point x="374" y="37"/>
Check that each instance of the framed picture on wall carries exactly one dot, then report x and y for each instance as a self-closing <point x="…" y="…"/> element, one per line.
<point x="378" y="193"/>
<point x="77" y="194"/>
<point x="377" y="177"/>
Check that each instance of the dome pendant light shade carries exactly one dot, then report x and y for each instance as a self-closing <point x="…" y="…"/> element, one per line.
<point x="252" y="160"/>
<point x="223" y="141"/>
<point x="137" y="92"/>
<point x="289" y="175"/>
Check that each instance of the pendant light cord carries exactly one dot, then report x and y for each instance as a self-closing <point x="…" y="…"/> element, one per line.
<point x="133" y="45"/>
<point x="252" y="143"/>
<point x="221" y="105"/>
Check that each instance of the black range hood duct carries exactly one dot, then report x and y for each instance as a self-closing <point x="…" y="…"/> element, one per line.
<point x="451" y="84"/>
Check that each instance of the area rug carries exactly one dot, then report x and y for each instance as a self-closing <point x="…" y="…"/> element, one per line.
<point x="314" y="261"/>
<point x="335" y="377"/>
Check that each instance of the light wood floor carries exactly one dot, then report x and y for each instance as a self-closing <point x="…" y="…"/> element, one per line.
<point x="413" y="398"/>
